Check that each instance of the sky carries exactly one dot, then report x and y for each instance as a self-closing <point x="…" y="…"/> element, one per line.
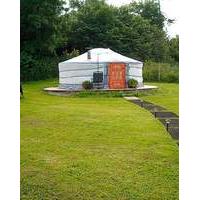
<point x="170" y="8"/>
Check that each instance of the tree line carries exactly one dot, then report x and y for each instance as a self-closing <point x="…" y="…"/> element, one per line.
<point x="56" y="30"/>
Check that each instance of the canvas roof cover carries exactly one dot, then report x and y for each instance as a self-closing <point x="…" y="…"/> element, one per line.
<point x="101" y="55"/>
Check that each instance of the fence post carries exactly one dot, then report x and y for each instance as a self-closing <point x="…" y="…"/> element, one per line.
<point x="159" y="72"/>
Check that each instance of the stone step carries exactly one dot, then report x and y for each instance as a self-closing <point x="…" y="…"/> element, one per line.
<point x="164" y="114"/>
<point x="153" y="108"/>
<point x="138" y="102"/>
<point x="148" y="106"/>
<point x="174" y="132"/>
<point x="173" y="122"/>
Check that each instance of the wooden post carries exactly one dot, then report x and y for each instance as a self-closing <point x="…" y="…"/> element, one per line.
<point x="159" y="72"/>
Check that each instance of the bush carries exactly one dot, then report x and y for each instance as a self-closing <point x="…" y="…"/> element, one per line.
<point x="87" y="85"/>
<point x="162" y="72"/>
<point x="42" y="67"/>
<point x="34" y="68"/>
<point x="170" y="77"/>
<point x="132" y="83"/>
<point x="68" y="55"/>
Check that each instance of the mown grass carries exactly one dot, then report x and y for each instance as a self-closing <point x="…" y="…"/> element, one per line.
<point x="77" y="148"/>
<point x="167" y="96"/>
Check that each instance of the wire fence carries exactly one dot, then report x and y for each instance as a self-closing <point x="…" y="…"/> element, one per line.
<point x="160" y="72"/>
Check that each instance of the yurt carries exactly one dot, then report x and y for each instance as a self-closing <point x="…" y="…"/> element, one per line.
<point x="104" y="67"/>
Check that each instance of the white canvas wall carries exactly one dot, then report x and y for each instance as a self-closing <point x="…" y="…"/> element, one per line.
<point x="72" y="75"/>
<point x="135" y="72"/>
<point x="76" y="73"/>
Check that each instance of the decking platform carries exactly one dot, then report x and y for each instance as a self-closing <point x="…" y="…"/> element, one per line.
<point x="60" y="91"/>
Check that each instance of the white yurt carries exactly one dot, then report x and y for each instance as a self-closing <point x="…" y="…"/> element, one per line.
<point x="105" y="67"/>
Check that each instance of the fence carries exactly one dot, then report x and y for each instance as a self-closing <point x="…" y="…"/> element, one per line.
<point x="160" y="72"/>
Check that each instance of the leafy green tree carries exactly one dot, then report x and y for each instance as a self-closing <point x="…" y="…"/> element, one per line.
<point x="40" y="25"/>
<point x="75" y="4"/>
<point x="140" y="38"/>
<point x="174" y="49"/>
<point x="96" y="24"/>
<point x="41" y="32"/>
<point x="149" y="10"/>
<point x="90" y="25"/>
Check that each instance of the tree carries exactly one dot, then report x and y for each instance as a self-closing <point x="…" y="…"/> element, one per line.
<point x="75" y="4"/>
<point x="40" y="25"/>
<point x="96" y="24"/>
<point x="141" y="40"/>
<point x="41" y="32"/>
<point x="174" y="48"/>
<point x="149" y="10"/>
<point x="90" y="24"/>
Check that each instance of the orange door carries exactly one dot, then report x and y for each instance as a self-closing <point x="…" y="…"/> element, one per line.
<point x="116" y="72"/>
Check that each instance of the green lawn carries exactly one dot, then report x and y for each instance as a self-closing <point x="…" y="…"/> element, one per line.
<point x="166" y="96"/>
<point x="93" y="148"/>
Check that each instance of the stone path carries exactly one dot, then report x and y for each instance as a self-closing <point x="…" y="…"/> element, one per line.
<point x="169" y="119"/>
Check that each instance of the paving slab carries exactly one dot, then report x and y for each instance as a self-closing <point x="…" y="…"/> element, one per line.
<point x="173" y="122"/>
<point x="163" y="114"/>
<point x="174" y="132"/>
<point x="132" y="98"/>
<point x="137" y="101"/>
<point x="153" y="108"/>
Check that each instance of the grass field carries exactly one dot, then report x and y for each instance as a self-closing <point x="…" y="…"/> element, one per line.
<point x="95" y="148"/>
<point x="166" y="96"/>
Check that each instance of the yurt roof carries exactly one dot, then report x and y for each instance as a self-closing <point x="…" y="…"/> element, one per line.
<point x="103" y="56"/>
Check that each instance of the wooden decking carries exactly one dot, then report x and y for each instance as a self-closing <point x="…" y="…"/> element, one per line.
<point x="62" y="90"/>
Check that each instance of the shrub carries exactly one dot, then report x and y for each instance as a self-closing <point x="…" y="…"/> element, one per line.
<point x="34" y="68"/>
<point x="163" y="72"/>
<point x="132" y="83"/>
<point x="87" y="85"/>
<point x="68" y="55"/>
<point x="41" y="67"/>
